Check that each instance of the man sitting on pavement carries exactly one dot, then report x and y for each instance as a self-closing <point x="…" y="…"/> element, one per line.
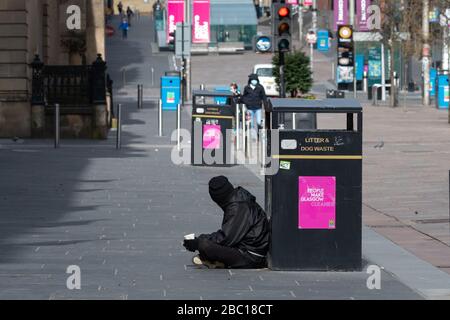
<point x="243" y="240"/>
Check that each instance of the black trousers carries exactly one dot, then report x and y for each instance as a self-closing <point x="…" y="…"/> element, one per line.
<point x="230" y="257"/>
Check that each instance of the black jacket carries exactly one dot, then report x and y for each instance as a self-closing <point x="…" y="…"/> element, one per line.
<point x="254" y="98"/>
<point x="245" y="225"/>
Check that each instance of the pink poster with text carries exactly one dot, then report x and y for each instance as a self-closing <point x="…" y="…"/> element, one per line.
<point x="175" y="14"/>
<point x="201" y="21"/>
<point x="212" y="135"/>
<point x="317" y="202"/>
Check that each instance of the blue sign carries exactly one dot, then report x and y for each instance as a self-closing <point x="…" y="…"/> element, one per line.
<point x="170" y="93"/>
<point x="359" y="65"/>
<point x="323" y="40"/>
<point x="443" y="91"/>
<point x="433" y="75"/>
<point x="263" y="44"/>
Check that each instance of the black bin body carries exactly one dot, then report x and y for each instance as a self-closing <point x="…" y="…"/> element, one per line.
<point x="315" y="199"/>
<point x="208" y="119"/>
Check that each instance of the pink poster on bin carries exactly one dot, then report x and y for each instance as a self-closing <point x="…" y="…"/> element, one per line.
<point x="201" y="21"/>
<point x="317" y="202"/>
<point x="175" y="14"/>
<point x="340" y="8"/>
<point x="361" y="13"/>
<point x="212" y="135"/>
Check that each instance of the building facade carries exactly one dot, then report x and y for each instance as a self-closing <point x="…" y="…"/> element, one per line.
<point x="40" y="27"/>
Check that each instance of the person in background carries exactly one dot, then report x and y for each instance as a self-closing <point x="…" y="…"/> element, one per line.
<point x="120" y="8"/>
<point x="124" y="27"/>
<point x="254" y="97"/>
<point x="234" y="88"/>
<point x="130" y="14"/>
<point x="157" y="6"/>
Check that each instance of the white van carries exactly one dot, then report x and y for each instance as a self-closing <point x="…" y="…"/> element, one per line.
<point x="266" y="78"/>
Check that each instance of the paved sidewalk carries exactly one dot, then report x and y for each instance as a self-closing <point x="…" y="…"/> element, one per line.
<point x="121" y="215"/>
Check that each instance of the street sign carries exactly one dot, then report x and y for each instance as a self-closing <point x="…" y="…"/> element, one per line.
<point x="311" y="37"/>
<point x="180" y="49"/>
<point x="263" y="44"/>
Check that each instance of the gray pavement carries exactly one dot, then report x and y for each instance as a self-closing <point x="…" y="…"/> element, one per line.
<point x="120" y="216"/>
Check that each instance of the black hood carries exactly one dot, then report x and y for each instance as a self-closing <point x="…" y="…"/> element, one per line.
<point x="239" y="195"/>
<point x="253" y="76"/>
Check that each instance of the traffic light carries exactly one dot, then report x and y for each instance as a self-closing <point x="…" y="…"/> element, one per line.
<point x="345" y="47"/>
<point x="282" y="26"/>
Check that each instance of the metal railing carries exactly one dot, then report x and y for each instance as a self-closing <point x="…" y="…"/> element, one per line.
<point x="72" y="87"/>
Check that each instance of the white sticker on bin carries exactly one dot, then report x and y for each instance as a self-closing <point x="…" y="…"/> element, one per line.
<point x="200" y="110"/>
<point x="289" y="144"/>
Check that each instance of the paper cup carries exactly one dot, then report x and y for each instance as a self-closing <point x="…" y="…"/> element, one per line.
<point x="189" y="236"/>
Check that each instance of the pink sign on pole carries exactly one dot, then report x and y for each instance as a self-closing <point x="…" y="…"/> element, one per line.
<point x="317" y="202"/>
<point x="175" y="14"/>
<point x="201" y="21"/>
<point x="212" y="135"/>
<point x="361" y="12"/>
<point x="340" y="8"/>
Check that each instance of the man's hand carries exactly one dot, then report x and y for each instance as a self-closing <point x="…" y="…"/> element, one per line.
<point x="191" y="245"/>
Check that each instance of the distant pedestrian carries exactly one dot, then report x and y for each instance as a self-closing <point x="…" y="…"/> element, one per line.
<point x="254" y="97"/>
<point x="124" y="27"/>
<point x="130" y="14"/>
<point x="157" y="6"/>
<point x="234" y="89"/>
<point x="120" y="8"/>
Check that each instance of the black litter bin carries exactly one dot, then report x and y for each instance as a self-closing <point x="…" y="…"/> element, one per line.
<point x="212" y="129"/>
<point x="314" y="199"/>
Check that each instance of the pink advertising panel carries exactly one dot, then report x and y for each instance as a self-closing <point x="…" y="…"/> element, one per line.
<point x="361" y="12"/>
<point x="212" y="135"/>
<point x="201" y="21"/>
<point x="317" y="202"/>
<point x="340" y="13"/>
<point x="175" y="14"/>
<point x="292" y="1"/>
<point x="307" y="2"/>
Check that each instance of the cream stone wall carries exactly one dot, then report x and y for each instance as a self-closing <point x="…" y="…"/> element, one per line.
<point x="95" y="30"/>
<point x="29" y="27"/>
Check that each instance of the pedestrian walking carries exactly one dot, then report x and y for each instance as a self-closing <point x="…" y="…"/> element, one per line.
<point x="234" y="89"/>
<point x="243" y="240"/>
<point x="130" y="14"/>
<point x="120" y="8"/>
<point x="254" y="97"/>
<point x="124" y="27"/>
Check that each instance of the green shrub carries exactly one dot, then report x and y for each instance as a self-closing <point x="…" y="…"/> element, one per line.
<point x="298" y="76"/>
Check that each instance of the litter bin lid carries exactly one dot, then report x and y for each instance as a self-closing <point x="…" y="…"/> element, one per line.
<point x="321" y="106"/>
<point x="172" y="74"/>
<point x="207" y="93"/>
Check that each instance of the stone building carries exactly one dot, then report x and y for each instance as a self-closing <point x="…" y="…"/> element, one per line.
<point x="40" y="27"/>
